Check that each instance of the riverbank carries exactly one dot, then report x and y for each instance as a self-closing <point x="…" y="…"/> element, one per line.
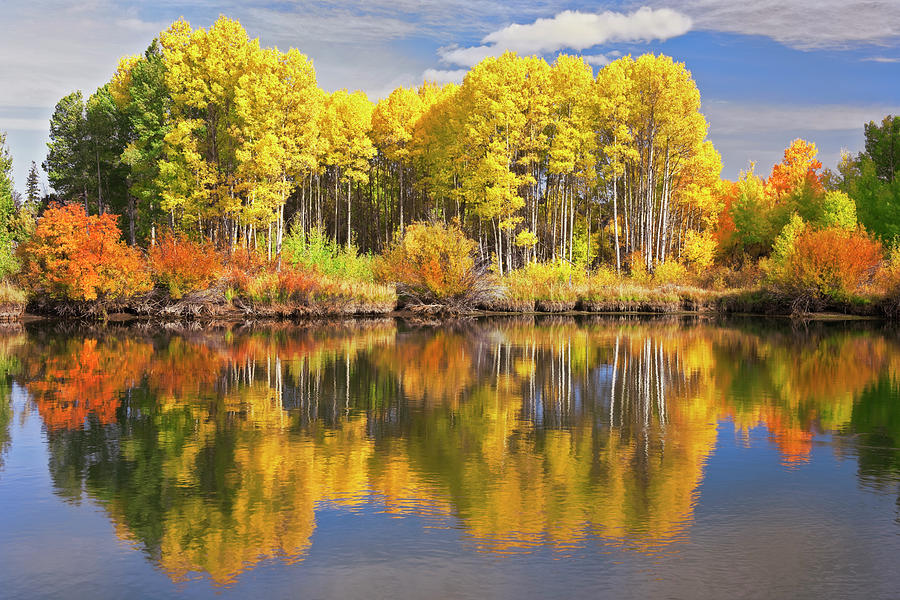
<point x="220" y="304"/>
<point x="12" y="303"/>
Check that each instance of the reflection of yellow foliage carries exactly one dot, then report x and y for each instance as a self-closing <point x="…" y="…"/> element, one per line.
<point x="504" y="428"/>
<point x="437" y="366"/>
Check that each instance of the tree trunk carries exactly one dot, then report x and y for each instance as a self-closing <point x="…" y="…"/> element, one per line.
<point x="348" y="213"/>
<point x="402" y="224"/>
<point x="616" y="218"/>
<point x="131" y="218"/>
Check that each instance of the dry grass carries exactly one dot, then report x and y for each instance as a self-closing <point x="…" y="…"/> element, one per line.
<point x="299" y="291"/>
<point x="11" y="294"/>
<point x="12" y="302"/>
<point x="561" y="288"/>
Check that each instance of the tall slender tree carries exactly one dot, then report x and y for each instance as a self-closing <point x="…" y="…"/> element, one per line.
<point x="33" y="187"/>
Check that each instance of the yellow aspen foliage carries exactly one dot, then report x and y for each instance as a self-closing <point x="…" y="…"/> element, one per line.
<point x="229" y="140"/>
<point x="345" y="126"/>
<point x="393" y="122"/>
<point x="491" y="132"/>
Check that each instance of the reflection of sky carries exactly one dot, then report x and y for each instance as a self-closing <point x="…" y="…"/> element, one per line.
<point x="51" y="548"/>
<point x="759" y="530"/>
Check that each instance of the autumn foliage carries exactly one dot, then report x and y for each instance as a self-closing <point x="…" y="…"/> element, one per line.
<point x="285" y="286"/>
<point x="302" y="289"/>
<point x="183" y="265"/>
<point x="74" y="380"/>
<point x="79" y="257"/>
<point x="799" y="167"/>
<point x="434" y="264"/>
<point x="830" y="263"/>
<point x="541" y="163"/>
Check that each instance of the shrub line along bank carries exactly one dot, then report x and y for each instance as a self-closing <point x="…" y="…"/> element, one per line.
<point x="213" y="305"/>
<point x="76" y="266"/>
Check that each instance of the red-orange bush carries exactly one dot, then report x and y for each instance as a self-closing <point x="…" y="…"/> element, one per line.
<point x="183" y="265"/>
<point x="242" y="268"/>
<point x="831" y="262"/>
<point x="292" y="286"/>
<point x="79" y="257"/>
<point x="298" y="284"/>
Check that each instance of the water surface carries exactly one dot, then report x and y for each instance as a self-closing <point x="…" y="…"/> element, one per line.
<point x="502" y="458"/>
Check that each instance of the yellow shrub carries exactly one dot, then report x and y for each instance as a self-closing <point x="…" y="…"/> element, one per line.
<point x="637" y="268"/>
<point x="603" y="276"/>
<point x="670" y="272"/>
<point x="435" y="264"/>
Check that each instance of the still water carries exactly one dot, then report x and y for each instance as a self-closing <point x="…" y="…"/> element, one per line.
<point x="507" y="458"/>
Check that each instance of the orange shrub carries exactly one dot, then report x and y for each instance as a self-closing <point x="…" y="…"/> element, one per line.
<point x="831" y="262"/>
<point x="79" y="257"/>
<point x="434" y="264"/>
<point x="264" y="283"/>
<point x="800" y="166"/>
<point x="241" y="267"/>
<point x="183" y="265"/>
<point x="297" y="285"/>
<point x="888" y="282"/>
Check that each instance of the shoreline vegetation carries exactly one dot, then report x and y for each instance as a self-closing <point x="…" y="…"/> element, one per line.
<point x="212" y="178"/>
<point x="203" y="308"/>
<point x="432" y="271"/>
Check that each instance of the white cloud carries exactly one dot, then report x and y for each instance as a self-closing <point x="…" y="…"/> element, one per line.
<point x="467" y="57"/>
<point x="23" y="124"/>
<point x="337" y="26"/>
<point x="736" y="117"/>
<point x="601" y="60"/>
<point x="574" y="30"/>
<point x="800" y="24"/>
<point x="578" y="30"/>
<point x="882" y="59"/>
<point x="53" y="48"/>
<point x="441" y="77"/>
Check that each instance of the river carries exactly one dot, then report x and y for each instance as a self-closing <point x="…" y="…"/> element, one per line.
<point x="624" y="457"/>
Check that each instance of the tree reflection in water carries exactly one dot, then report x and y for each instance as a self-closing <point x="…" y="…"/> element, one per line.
<point x="213" y="450"/>
<point x="11" y="338"/>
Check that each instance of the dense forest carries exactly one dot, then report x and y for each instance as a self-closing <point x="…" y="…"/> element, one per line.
<point x="211" y="138"/>
<point x="211" y="134"/>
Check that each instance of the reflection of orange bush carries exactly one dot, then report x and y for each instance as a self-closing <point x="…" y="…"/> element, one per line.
<point x="80" y="257"/>
<point x="794" y="442"/>
<point x="183" y="265"/>
<point x="435" y="369"/>
<point x="87" y="379"/>
<point x="183" y="368"/>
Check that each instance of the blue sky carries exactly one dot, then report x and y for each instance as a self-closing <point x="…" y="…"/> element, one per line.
<point x="768" y="70"/>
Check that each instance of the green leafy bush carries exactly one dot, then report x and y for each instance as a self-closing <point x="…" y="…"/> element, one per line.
<point x="9" y="264"/>
<point x="316" y="250"/>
